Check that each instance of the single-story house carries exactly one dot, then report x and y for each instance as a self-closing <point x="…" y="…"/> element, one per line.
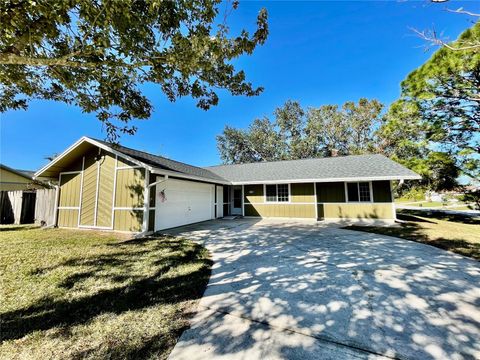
<point x="107" y="186"/>
<point x="13" y="179"/>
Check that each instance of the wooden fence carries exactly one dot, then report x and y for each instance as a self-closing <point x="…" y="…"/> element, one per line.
<point x="45" y="207"/>
<point x="27" y="207"/>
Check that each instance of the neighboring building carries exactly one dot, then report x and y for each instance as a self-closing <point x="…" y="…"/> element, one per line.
<point x="12" y="179"/>
<point x="105" y="186"/>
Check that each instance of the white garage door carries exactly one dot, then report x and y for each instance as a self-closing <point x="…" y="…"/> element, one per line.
<point x="182" y="202"/>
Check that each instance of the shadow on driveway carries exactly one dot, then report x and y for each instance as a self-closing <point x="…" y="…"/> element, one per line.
<point x="303" y="290"/>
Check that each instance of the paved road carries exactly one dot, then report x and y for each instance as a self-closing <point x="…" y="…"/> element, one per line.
<point x="307" y="291"/>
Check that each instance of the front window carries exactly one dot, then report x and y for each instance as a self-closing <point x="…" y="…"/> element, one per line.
<point x="358" y="192"/>
<point x="277" y="193"/>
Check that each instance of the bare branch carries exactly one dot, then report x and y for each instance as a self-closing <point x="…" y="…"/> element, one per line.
<point x="464" y="12"/>
<point x="431" y="37"/>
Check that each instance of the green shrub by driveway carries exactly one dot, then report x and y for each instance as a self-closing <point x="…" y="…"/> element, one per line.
<point x="83" y="294"/>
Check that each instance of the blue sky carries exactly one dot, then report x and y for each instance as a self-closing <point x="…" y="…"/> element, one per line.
<point x="317" y="53"/>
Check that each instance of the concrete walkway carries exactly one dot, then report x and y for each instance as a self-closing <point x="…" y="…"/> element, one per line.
<point x="298" y="290"/>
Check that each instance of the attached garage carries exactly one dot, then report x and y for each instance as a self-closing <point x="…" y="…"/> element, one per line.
<point x="107" y="187"/>
<point x="183" y="202"/>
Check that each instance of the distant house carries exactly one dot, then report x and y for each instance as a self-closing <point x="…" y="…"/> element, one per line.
<point x="13" y="179"/>
<point x="107" y="186"/>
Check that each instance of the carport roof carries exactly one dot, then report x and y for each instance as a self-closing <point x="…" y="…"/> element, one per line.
<point x="341" y="168"/>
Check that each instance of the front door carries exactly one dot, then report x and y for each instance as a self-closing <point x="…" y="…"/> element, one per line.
<point x="237" y="200"/>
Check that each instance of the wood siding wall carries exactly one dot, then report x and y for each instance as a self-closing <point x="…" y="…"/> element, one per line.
<point x="358" y="211"/>
<point x="70" y="190"/>
<point x="130" y="186"/>
<point x="89" y="190"/>
<point x="128" y="220"/>
<point x="67" y="218"/>
<point x="94" y="196"/>
<point x="330" y="198"/>
<point x="301" y="205"/>
<point x="105" y="191"/>
<point x="281" y="210"/>
<point x="10" y="181"/>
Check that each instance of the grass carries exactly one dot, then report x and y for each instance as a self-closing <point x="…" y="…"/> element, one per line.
<point x="93" y="295"/>
<point x="450" y="205"/>
<point x="456" y="233"/>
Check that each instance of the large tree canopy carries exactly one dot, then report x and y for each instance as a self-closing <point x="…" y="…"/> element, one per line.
<point x="445" y="92"/>
<point x="296" y="133"/>
<point x="96" y="54"/>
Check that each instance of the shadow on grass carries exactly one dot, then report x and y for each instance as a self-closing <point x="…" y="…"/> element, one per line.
<point x="18" y="227"/>
<point x="439" y="215"/>
<point x="181" y="273"/>
<point x="414" y="232"/>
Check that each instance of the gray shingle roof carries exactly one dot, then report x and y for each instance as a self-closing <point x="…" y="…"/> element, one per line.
<point x="163" y="163"/>
<point x="371" y="167"/>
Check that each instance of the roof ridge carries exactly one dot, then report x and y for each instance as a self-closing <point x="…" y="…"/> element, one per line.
<point x="113" y="145"/>
<point x="293" y="160"/>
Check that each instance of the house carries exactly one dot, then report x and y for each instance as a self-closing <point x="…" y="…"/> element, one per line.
<point x="106" y="186"/>
<point x="12" y="179"/>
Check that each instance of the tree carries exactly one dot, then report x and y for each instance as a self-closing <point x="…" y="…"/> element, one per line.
<point x="97" y="54"/>
<point x="446" y="91"/>
<point x="403" y="138"/>
<point x="297" y="133"/>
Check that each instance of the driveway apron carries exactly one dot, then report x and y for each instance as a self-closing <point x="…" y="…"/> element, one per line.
<point x="303" y="290"/>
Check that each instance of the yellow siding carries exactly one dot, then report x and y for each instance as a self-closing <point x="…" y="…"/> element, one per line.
<point x="358" y="211"/>
<point x="105" y="192"/>
<point x="302" y="193"/>
<point x="67" y="218"/>
<point x="122" y="162"/>
<point x="70" y="190"/>
<point x="89" y="191"/>
<point x="130" y="187"/>
<point x="128" y="220"/>
<point x="12" y="181"/>
<point x="253" y="193"/>
<point x="281" y="210"/>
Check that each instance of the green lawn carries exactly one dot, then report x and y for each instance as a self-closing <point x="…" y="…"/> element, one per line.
<point x="69" y="294"/>
<point x="457" y="233"/>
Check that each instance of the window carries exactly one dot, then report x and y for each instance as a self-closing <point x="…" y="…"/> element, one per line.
<point x="358" y="191"/>
<point x="352" y="191"/>
<point x="277" y="193"/>
<point x="282" y="192"/>
<point x="271" y="192"/>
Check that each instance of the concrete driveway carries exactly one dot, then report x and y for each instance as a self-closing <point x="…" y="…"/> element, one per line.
<point x="299" y="290"/>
